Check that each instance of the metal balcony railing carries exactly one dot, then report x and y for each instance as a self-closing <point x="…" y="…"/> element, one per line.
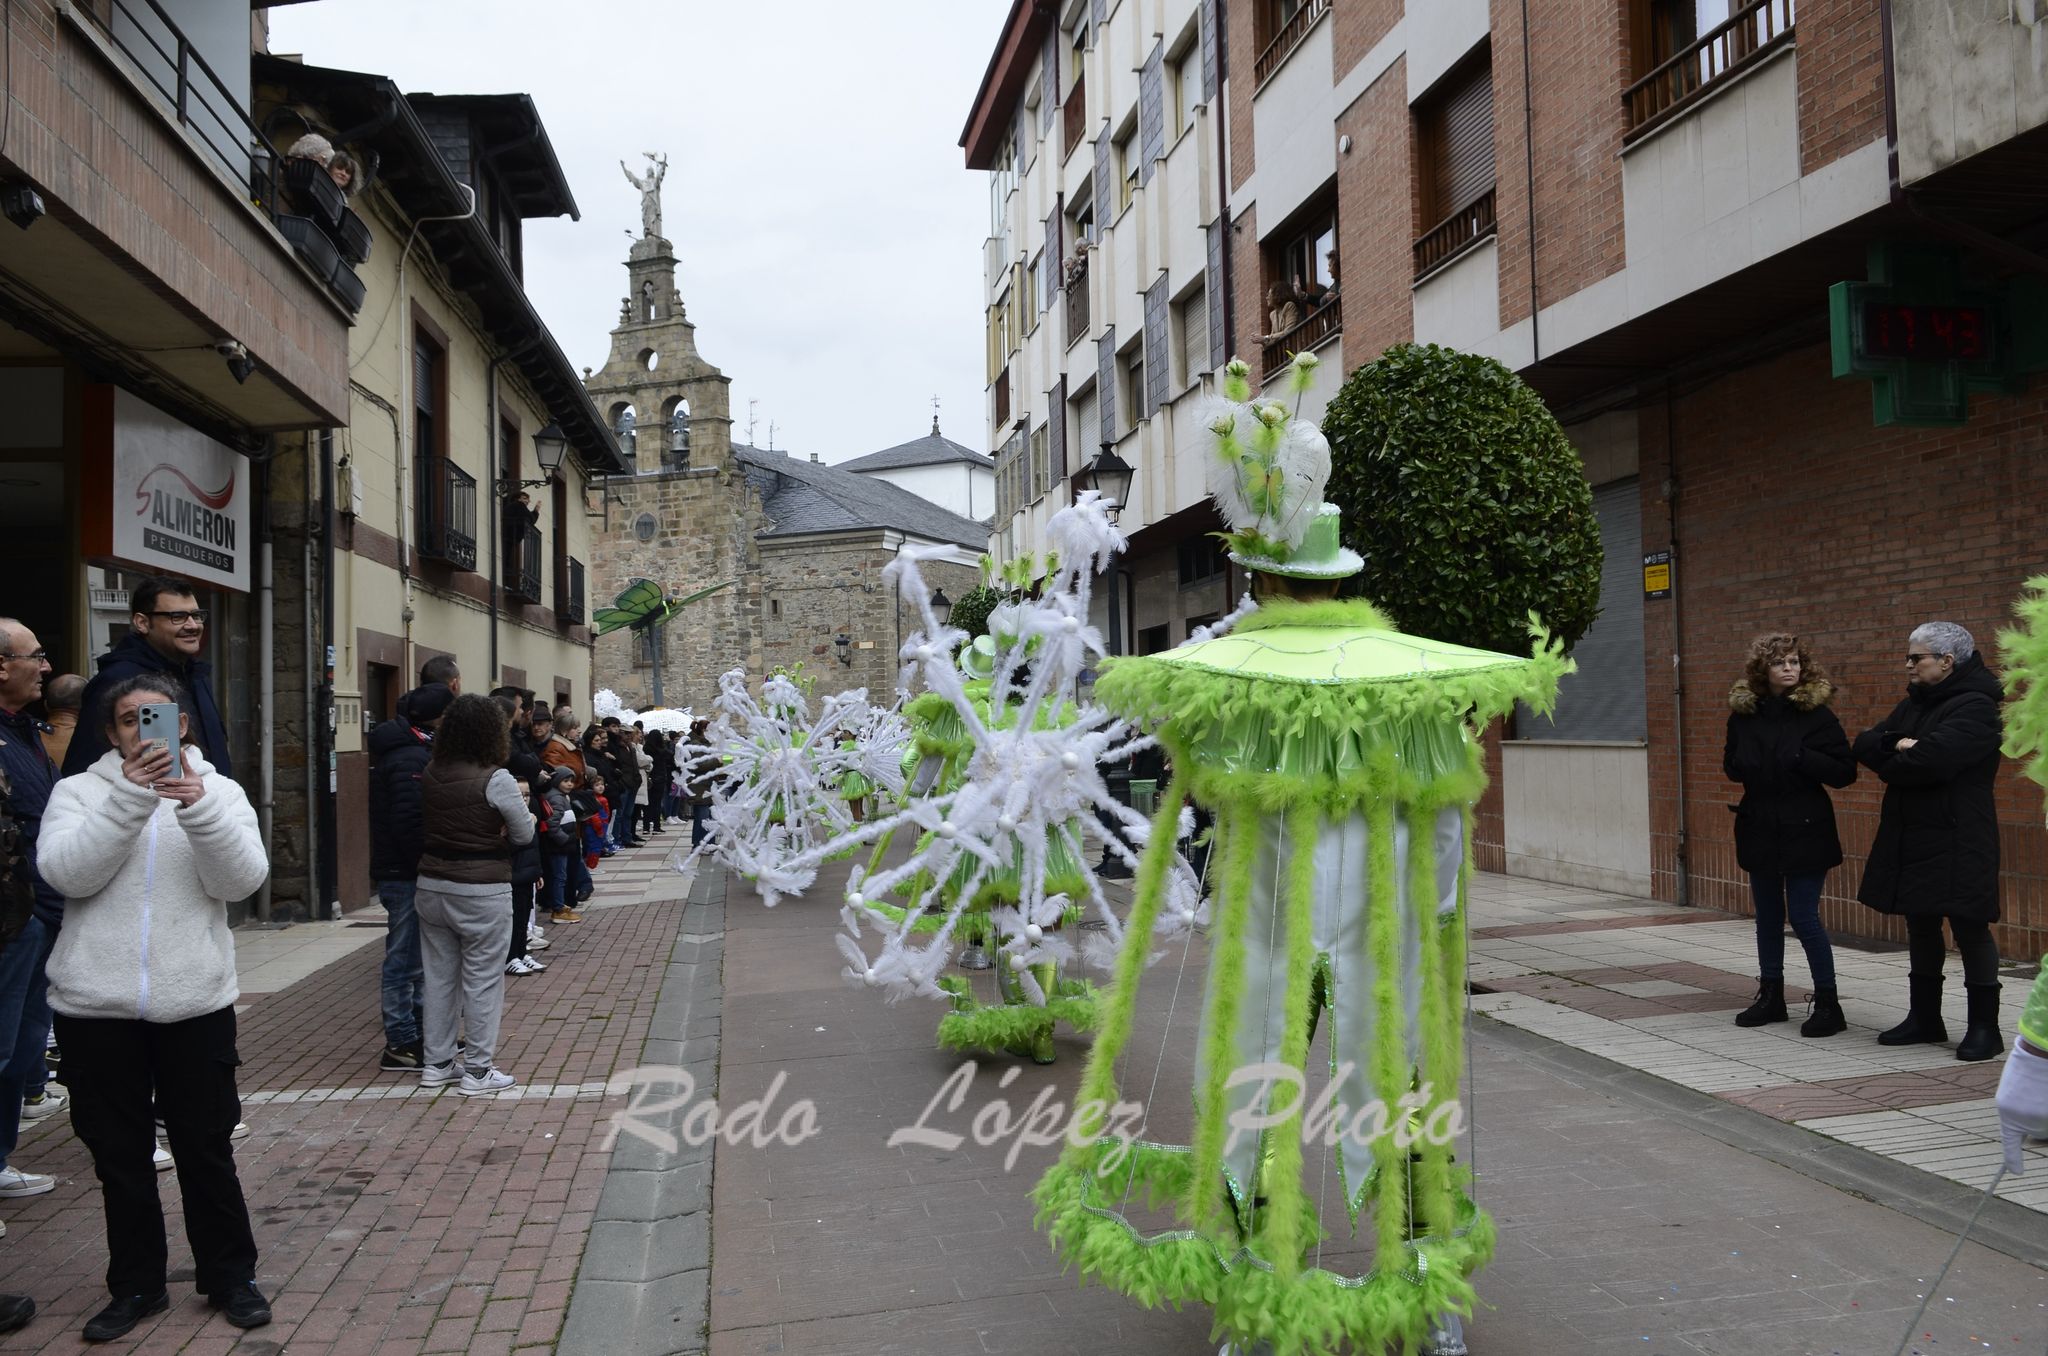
<point x="1287" y="39"/>
<point x="1454" y="234"/>
<point x="571" y="608"/>
<point x="1075" y="111"/>
<point x="446" y="497"/>
<point x="522" y="566"/>
<point x="161" y="53"/>
<point x="1326" y="321"/>
<point x="1750" y="33"/>
<point x="1077" y="305"/>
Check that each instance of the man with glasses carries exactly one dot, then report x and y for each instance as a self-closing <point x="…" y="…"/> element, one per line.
<point x="24" y="1003"/>
<point x="169" y="634"/>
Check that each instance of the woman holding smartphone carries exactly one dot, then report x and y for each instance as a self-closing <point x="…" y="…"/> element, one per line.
<point x="148" y="845"/>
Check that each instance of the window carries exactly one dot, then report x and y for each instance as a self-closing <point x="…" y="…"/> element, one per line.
<point x="1193" y="320"/>
<point x="1603" y="701"/>
<point x="429" y="396"/>
<point x="1125" y="160"/>
<point x="1454" y="178"/>
<point x="1153" y="639"/>
<point x="1201" y="559"/>
<point x="1002" y="178"/>
<point x="1042" y="477"/>
<point x="1187" y="87"/>
<point x="1279" y="27"/>
<point x="1033" y="291"/>
<point x="1678" y="48"/>
<point x="1132" y="394"/>
<point x="1301" y="292"/>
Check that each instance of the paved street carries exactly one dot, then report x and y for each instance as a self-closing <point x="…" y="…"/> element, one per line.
<point x="1651" y="1198"/>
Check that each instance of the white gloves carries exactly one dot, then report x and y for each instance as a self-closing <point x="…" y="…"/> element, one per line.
<point x="2022" y="1103"/>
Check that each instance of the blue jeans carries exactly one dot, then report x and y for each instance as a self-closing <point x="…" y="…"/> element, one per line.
<point x="38" y="1074"/>
<point x="700" y="823"/>
<point x="404" y="976"/>
<point x="621" y="827"/>
<point x="24" y="993"/>
<point x="566" y="878"/>
<point x="1799" y="896"/>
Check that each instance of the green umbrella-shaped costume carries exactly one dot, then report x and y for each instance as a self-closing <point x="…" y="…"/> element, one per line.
<point x="1340" y="761"/>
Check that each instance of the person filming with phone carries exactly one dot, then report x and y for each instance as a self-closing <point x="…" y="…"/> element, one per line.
<point x="148" y="845"/>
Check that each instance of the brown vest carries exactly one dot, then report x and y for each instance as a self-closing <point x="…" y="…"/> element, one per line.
<point x="465" y="839"/>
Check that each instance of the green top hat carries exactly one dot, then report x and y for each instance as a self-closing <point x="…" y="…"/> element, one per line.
<point x="1318" y="557"/>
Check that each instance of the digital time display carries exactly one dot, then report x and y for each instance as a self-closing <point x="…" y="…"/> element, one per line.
<point x="1926" y="333"/>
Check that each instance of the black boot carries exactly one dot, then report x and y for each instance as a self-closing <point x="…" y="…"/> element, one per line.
<point x="1982" y="1040"/>
<point x="1923" y="1024"/>
<point x="1826" y="1019"/>
<point x="1768" y="1007"/>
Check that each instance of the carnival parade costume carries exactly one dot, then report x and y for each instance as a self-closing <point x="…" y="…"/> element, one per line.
<point x="1340" y="760"/>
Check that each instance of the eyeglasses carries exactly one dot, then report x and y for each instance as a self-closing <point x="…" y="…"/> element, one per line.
<point x="38" y="656"/>
<point x="179" y="618"/>
<point x="1916" y="658"/>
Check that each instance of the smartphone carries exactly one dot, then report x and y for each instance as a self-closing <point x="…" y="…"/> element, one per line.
<point x="159" y="720"/>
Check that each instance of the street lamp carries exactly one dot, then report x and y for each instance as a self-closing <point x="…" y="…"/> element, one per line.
<point x="550" y="445"/>
<point x="1110" y="476"/>
<point x="942" y="606"/>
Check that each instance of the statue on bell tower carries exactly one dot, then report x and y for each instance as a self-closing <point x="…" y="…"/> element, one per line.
<point x="650" y="192"/>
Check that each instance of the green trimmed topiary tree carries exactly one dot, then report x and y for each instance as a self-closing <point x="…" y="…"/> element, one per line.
<point x="970" y="613"/>
<point x="1465" y="498"/>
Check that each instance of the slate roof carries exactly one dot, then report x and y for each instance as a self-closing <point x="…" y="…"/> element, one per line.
<point x="930" y="450"/>
<point x="800" y="495"/>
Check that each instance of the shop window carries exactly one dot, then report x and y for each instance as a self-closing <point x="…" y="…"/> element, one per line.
<point x="1153" y="639"/>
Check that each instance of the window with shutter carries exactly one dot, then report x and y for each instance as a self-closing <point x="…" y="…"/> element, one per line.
<point x="1194" y="338"/>
<point x="1603" y="702"/>
<point x="1454" y="176"/>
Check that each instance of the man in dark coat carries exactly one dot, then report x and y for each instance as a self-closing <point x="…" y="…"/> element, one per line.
<point x="170" y="631"/>
<point x="661" y="748"/>
<point x="399" y="750"/>
<point x="24" y="990"/>
<point x="1936" y="851"/>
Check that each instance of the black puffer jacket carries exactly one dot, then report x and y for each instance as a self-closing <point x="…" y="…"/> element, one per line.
<point x="398" y="830"/>
<point x="1786" y="751"/>
<point x="1936" y="850"/>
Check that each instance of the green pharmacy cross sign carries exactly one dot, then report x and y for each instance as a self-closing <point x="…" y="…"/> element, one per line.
<point x="1924" y="341"/>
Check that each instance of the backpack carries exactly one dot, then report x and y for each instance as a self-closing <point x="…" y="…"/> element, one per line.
<point x="17" y="878"/>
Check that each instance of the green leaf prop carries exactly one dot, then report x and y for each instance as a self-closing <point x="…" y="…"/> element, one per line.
<point x="642" y="606"/>
<point x="1465" y="498"/>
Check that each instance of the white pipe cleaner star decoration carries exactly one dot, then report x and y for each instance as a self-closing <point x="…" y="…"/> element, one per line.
<point x="1006" y="849"/>
<point x="781" y="775"/>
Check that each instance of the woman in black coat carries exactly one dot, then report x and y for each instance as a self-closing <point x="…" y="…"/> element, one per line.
<point x="1935" y="856"/>
<point x="1786" y="748"/>
<point x="654" y="798"/>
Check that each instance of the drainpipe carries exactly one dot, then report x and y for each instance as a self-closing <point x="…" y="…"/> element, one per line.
<point x="1529" y="180"/>
<point x="1682" y="856"/>
<point x="266" y="679"/>
<point x="1223" y="222"/>
<point x="309" y="713"/>
<point x="329" y="859"/>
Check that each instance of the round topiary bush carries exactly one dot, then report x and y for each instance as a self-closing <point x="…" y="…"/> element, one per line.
<point x="970" y="612"/>
<point x="1465" y="498"/>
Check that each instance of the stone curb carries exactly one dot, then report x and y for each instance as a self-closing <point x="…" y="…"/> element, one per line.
<point x="2003" y="1227"/>
<point x="644" y="1285"/>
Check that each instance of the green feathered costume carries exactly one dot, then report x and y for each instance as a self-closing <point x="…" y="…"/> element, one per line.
<point x="1340" y="760"/>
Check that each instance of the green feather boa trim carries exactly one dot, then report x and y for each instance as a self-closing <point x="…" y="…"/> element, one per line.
<point x="2025" y="651"/>
<point x="1310" y="1311"/>
<point x="1012" y="1028"/>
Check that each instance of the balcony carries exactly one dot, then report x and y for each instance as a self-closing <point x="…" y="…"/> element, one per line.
<point x="522" y="566"/>
<point x="447" y="512"/>
<point x="1002" y="397"/>
<point x="1749" y="35"/>
<point x="1454" y="235"/>
<point x="1288" y="38"/>
<point x="569" y="605"/>
<point x="1322" y="324"/>
<point x="1077" y="304"/>
<point x="1075" y="111"/>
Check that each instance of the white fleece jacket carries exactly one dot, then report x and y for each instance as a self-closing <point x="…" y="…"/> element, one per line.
<point x="146" y="884"/>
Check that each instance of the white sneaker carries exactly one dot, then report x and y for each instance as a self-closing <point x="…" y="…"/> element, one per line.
<point x="163" y="1160"/>
<point x="516" y="966"/>
<point x="14" y="1182"/>
<point x="438" y="1076"/>
<point x="536" y="940"/>
<point x="488" y="1082"/>
<point x="53" y="1100"/>
<point x="240" y="1132"/>
<point x="534" y="966"/>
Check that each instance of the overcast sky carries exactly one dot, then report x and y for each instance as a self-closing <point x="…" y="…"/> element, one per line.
<point x="828" y="234"/>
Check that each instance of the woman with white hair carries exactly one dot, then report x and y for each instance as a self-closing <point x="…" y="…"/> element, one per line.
<point x="1935" y="856"/>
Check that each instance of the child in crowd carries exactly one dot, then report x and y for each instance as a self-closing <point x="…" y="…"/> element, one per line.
<point x="594" y="812"/>
<point x="561" y="852"/>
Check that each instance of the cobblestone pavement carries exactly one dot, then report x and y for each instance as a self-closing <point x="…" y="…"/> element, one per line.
<point x="1636" y="1215"/>
<point x="388" y="1220"/>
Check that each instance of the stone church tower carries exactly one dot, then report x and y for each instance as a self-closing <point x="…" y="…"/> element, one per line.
<point x="681" y="519"/>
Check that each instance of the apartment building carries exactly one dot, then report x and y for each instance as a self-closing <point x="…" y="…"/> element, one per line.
<point x="1105" y="268"/>
<point x="1772" y="264"/>
<point x="401" y="536"/>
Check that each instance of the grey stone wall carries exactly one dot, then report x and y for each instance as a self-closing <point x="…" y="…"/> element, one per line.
<point x="815" y="592"/>
<point x="292" y="890"/>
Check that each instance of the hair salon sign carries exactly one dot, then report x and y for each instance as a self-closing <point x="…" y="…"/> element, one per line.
<point x="178" y="502"/>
